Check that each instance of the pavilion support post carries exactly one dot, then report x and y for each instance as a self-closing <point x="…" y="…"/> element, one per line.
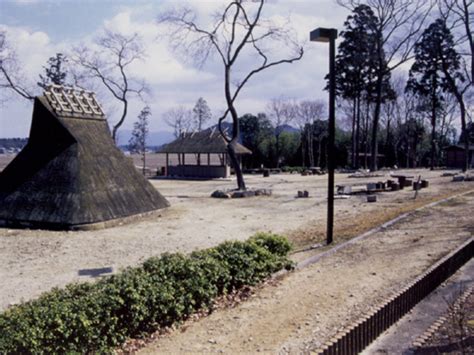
<point x="208" y="159"/>
<point x="199" y="159"/>
<point x="167" y="164"/>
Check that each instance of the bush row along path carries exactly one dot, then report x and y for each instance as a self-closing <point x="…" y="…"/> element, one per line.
<point x="309" y="306"/>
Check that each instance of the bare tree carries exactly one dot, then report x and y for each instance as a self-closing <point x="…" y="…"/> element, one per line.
<point x="238" y="30"/>
<point x="11" y="73"/>
<point x="398" y="28"/>
<point x="307" y="112"/>
<point x="281" y="111"/>
<point x="179" y="119"/>
<point x="457" y="15"/>
<point x="109" y="64"/>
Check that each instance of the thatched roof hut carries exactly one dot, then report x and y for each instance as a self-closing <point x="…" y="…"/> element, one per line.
<point x="189" y="148"/>
<point x="203" y="142"/>
<point x="71" y="175"/>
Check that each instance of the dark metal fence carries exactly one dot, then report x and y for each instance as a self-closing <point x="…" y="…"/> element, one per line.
<point x="359" y="335"/>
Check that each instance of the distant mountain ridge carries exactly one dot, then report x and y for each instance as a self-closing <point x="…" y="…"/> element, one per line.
<point x="157" y="138"/>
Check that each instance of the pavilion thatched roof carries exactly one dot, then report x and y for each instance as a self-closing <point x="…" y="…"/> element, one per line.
<point x="71" y="174"/>
<point x="207" y="141"/>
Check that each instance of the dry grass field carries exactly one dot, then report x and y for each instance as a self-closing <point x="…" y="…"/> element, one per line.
<point x="34" y="261"/>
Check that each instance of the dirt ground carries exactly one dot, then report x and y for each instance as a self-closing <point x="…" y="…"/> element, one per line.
<point x="34" y="261"/>
<point x="304" y="309"/>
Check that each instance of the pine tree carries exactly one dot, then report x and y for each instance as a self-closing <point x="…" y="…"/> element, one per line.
<point x="202" y="113"/>
<point x="137" y="143"/>
<point x="355" y="68"/>
<point x="435" y="59"/>
<point x="55" y="72"/>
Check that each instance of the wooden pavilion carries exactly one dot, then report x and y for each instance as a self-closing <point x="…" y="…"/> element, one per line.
<point x="199" y="155"/>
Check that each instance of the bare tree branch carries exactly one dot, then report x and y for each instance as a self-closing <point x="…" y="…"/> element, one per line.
<point x="109" y="64"/>
<point x="10" y="70"/>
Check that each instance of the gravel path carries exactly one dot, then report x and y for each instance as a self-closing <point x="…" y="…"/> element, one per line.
<point x="310" y="305"/>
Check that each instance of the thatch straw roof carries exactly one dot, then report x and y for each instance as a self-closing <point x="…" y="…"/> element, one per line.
<point x="207" y="141"/>
<point x="70" y="174"/>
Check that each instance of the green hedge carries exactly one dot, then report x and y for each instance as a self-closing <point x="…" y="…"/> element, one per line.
<point x="95" y="317"/>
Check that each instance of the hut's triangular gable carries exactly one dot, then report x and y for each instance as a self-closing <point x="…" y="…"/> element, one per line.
<point x="71" y="174"/>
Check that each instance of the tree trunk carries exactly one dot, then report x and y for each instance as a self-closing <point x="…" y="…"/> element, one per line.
<point x="235" y="163"/>
<point x="366" y="136"/>
<point x="433" y="133"/>
<point x="387" y="141"/>
<point x="466" y="140"/>
<point x="357" y="133"/>
<point x="311" y="147"/>
<point x="375" y="124"/>
<point x="302" y="148"/>
<point x="119" y="123"/>
<point x="353" y="133"/>
<point x="319" y="153"/>
<point x="277" y="148"/>
<point x="235" y="132"/>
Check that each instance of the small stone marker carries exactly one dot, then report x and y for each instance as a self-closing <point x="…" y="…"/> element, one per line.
<point x="458" y="178"/>
<point x="416" y="185"/>
<point x="425" y="184"/>
<point x="395" y="186"/>
<point x="344" y="190"/>
<point x="303" y="194"/>
<point x="266" y="172"/>
<point x="371" y="198"/>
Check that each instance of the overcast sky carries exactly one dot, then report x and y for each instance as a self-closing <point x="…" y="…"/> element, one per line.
<point x="38" y="29"/>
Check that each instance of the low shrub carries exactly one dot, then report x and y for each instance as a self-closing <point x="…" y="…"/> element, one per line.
<point x="292" y="169"/>
<point x="96" y="317"/>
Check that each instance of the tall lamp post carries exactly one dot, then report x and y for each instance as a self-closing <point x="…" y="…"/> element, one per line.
<point x="329" y="35"/>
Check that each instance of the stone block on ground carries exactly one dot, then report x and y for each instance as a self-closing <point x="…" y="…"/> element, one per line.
<point x="371" y="198"/>
<point x="220" y="194"/>
<point x="344" y="190"/>
<point x="263" y="192"/>
<point x="241" y="194"/>
<point x="303" y="194"/>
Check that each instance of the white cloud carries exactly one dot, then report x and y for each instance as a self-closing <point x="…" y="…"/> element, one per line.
<point x="26" y="2"/>
<point x="174" y="81"/>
